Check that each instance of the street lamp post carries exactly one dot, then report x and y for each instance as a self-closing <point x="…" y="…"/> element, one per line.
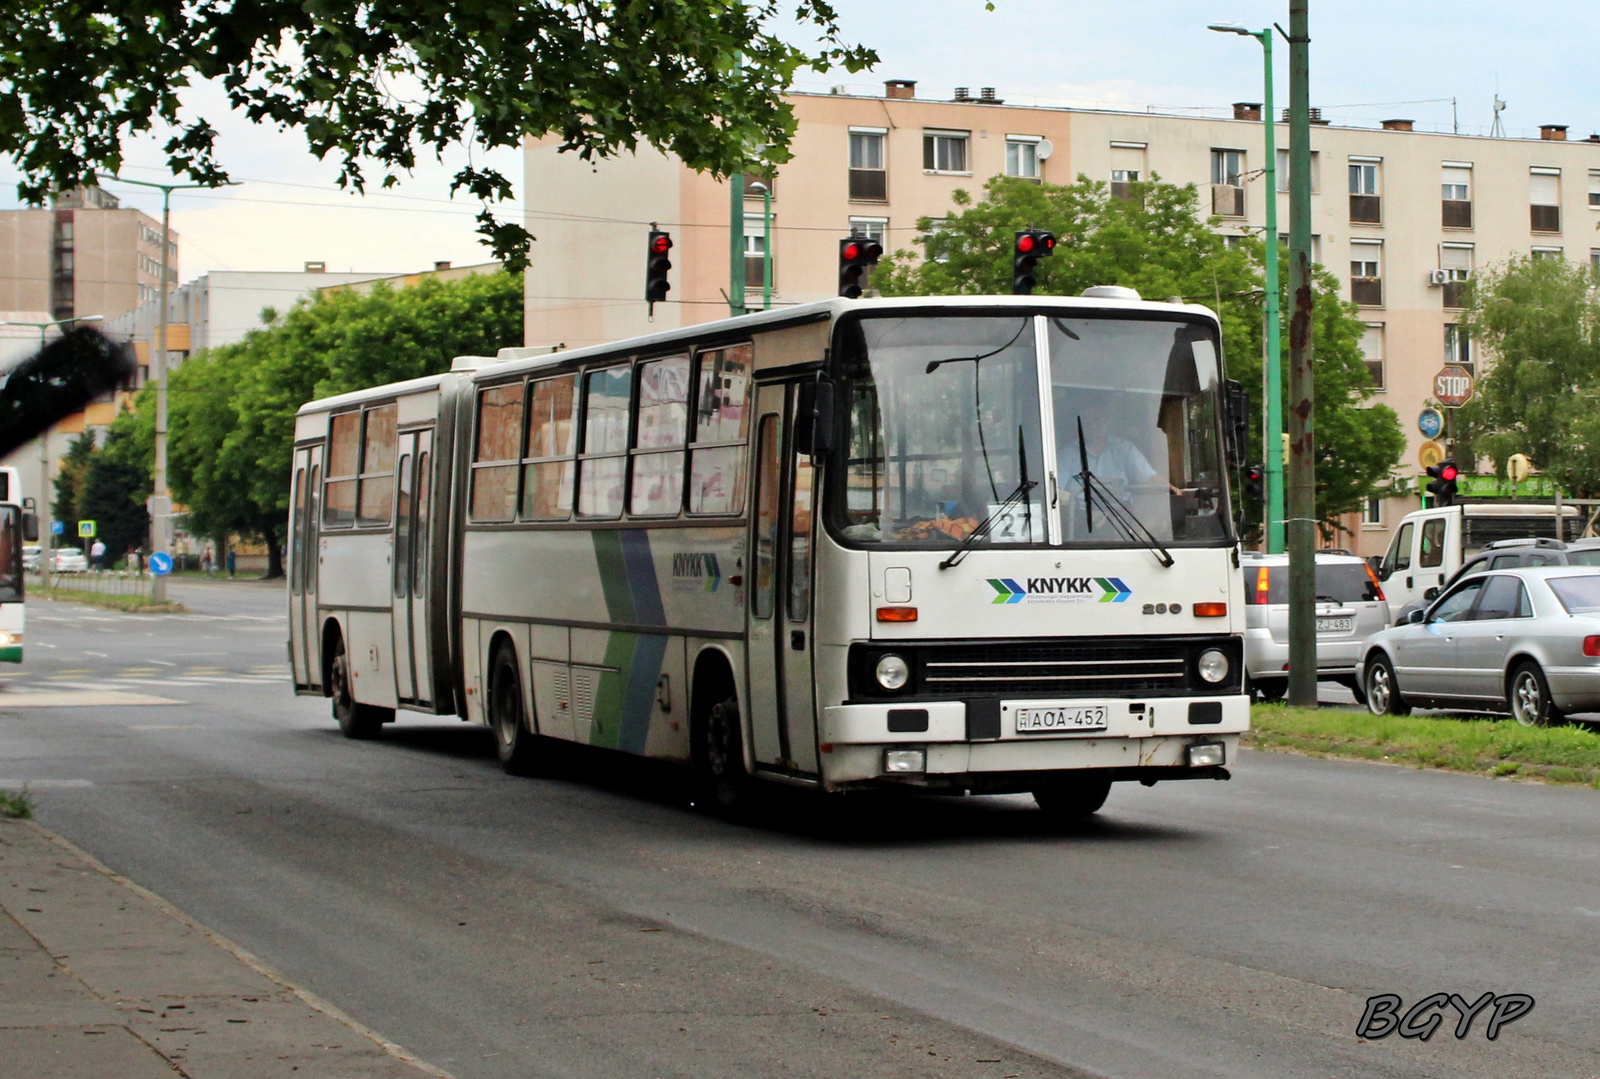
<point x="160" y="497"/>
<point x="1272" y="438"/>
<point x="43" y="501"/>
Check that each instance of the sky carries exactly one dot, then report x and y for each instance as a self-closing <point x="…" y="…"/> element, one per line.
<point x="1369" y="61"/>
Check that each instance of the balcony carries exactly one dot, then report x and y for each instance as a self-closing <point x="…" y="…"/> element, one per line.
<point x="869" y="185"/>
<point x="1366" y="210"/>
<point x="1227" y="200"/>
<point x="1366" y="291"/>
<point x="1545" y="218"/>
<point x="1456" y="214"/>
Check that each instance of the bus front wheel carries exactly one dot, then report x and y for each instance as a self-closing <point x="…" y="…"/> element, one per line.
<point x="356" y="720"/>
<point x="1071" y="798"/>
<point x="720" y="759"/>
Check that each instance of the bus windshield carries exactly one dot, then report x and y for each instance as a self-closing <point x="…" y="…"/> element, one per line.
<point x="10" y="554"/>
<point x="948" y="423"/>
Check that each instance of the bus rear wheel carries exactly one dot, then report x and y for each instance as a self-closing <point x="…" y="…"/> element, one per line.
<point x="356" y="720"/>
<point x="719" y="759"/>
<point x="515" y="744"/>
<point x="1065" y="799"/>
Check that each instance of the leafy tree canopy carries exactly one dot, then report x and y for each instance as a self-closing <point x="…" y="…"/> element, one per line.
<point x="1156" y="242"/>
<point x="372" y="82"/>
<point x="1541" y="320"/>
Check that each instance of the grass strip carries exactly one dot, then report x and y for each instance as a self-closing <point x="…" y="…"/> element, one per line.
<point x="1491" y="747"/>
<point x="16" y="804"/>
<point x="110" y="601"/>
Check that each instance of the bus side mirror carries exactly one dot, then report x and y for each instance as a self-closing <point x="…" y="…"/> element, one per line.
<point x="1238" y="426"/>
<point x="813" y="418"/>
<point x="30" y="527"/>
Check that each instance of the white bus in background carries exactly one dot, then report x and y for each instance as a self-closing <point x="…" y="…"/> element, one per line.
<point x="975" y="544"/>
<point x="18" y="525"/>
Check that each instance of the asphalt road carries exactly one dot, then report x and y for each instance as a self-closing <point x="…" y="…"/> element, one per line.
<point x="594" y="925"/>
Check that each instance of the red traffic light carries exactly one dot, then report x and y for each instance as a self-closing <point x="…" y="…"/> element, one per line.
<point x="1025" y="242"/>
<point x="660" y="243"/>
<point x="1449" y="472"/>
<point x="850" y="252"/>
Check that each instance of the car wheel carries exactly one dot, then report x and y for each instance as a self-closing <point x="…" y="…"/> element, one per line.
<point x="1353" y="684"/>
<point x="719" y="760"/>
<point x="515" y="744"/>
<point x="1529" y="698"/>
<point x="356" y="720"/>
<point x="1383" y="692"/>
<point x="1272" y="689"/>
<point x="1067" y="799"/>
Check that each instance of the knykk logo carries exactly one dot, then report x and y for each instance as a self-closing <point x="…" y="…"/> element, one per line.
<point x="1059" y="590"/>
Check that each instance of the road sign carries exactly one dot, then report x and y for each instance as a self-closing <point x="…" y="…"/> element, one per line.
<point x="86" y="529"/>
<point x="1429" y="454"/>
<point x="160" y="564"/>
<point x="58" y="528"/>
<point x="1452" y="386"/>
<point x="1430" y="421"/>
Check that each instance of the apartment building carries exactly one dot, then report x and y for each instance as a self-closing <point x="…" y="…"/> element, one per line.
<point x="1402" y="217"/>
<point x="85" y="255"/>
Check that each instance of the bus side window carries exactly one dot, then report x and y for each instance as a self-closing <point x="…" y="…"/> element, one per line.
<point x="548" y="469"/>
<point x="656" y="488"/>
<point x="344" y="461"/>
<point x="721" y="425"/>
<point x="601" y="473"/>
<point x="495" y="453"/>
<point x="419" y="538"/>
<point x="297" y="533"/>
<point x="376" y="500"/>
<point x="799" y="567"/>
<point x="767" y="518"/>
<point x="402" y="531"/>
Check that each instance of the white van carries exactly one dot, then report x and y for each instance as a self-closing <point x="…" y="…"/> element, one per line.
<point x="1430" y="545"/>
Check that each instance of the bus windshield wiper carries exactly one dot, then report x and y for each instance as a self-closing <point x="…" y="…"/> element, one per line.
<point x="1124" y="518"/>
<point x="983" y="530"/>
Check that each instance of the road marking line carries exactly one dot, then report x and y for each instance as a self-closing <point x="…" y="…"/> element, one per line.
<point x="170" y="727"/>
<point x="81" y="699"/>
<point x="44" y="784"/>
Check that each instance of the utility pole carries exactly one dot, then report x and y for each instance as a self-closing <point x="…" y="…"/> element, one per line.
<point x="160" y="497"/>
<point x="1302" y="464"/>
<point x="736" y="244"/>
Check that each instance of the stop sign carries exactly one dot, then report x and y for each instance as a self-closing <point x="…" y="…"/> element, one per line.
<point x="1452" y="386"/>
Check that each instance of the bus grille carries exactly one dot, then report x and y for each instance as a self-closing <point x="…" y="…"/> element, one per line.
<point x="1055" y="669"/>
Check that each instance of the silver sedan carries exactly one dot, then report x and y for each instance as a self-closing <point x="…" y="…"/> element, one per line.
<point x="1524" y="641"/>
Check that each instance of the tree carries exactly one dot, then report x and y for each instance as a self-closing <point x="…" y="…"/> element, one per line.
<point x="374" y="81"/>
<point x="116" y="485"/>
<point x="1156" y="242"/>
<point x="231" y="433"/>
<point x="1541" y="320"/>
<point x="69" y="480"/>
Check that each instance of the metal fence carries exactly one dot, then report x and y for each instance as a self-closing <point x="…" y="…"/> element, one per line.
<point x="104" y="582"/>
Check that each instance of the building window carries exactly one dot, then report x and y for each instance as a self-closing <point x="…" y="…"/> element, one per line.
<point x="869" y="173"/>
<point x="1455" y="189"/>
<point x="1545" y="252"/>
<point x="1316" y="245"/>
<point x="1594" y="188"/>
<point x="1366" y="273"/>
<point x="871" y="228"/>
<point x="1022" y="156"/>
<point x="1455" y="266"/>
<point x="1127" y="168"/>
<point x="1227" y="183"/>
<point x="754" y="245"/>
<point x="1282" y="176"/>
<point x="933" y="244"/>
<point x="1366" y="206"/>
<point x="1372" y="351"/>
<point x="1594" y="260"/>
<point x="1372" y="516"/>
<point x="944" y="151"/>
<point x="1458" y="346"/>
<point x="1544" y="200"/>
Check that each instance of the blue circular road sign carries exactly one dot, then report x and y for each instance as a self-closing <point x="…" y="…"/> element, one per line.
<point x="160" y="564"/>
<point x="1430" y="422"/>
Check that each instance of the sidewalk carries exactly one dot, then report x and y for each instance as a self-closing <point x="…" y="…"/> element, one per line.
<point x="99" y="977"/>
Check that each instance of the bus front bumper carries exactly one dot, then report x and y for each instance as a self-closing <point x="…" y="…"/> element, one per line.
<point x="872" y="745"/>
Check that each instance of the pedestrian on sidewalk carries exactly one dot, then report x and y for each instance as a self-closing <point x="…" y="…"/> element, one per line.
<point x="207" y="562"/>
<point x="232" y="561"/>
<point x="97" y="555"/>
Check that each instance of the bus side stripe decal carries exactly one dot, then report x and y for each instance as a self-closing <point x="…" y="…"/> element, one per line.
<point x="642" y="583"/>
<point x="613" y="575"/>
<point x="638" y="703"/>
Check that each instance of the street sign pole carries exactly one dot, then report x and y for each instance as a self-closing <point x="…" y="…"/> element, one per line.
<point x="1302" y="508"/>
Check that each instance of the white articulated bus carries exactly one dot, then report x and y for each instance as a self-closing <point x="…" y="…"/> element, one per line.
<point x="972" y="544"/>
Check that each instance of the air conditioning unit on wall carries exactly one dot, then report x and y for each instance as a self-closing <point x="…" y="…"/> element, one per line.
<point x="1438" y="277"/>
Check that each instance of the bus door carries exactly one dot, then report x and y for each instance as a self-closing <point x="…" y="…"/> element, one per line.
<point x="303" y="559"/>
<point x="782" y="713"/>
<point x="409" y="568"/>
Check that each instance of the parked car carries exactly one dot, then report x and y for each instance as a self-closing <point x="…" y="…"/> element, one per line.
<point x="69" y="560"/>
<point x="1511" y="554"/>
<point x="31" y="557"/>
<point x="1524" y="641"/>
<point x="1350" y="608"/>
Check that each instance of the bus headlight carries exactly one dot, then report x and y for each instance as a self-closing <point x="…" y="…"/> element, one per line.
<point x="892" y="672"/>
<point x="1213" y="665"/>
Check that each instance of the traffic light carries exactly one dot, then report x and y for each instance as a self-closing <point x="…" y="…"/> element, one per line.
<point x="1031" y="246"/>
<point x="856" y="257"/>
<point x="1255" y="480"/>
<point x="656" y="266"/>
<point x="1443" y="487"/>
